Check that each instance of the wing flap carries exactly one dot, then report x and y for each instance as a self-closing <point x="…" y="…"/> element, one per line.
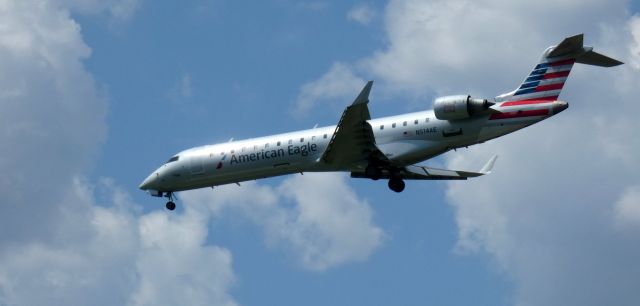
<point x="415" y="172"/>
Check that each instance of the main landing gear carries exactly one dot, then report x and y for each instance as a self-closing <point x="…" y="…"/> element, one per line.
<point x="396" y="184"/>
<point x="170" y="204"/>
<point x="373" y="172"/>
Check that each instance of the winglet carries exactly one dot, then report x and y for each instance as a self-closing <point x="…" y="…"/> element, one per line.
<point x="363" y="97"/>
<point x="489" y="165"/>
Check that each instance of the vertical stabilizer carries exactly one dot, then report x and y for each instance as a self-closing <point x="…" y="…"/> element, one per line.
<point x="547" y="78"/>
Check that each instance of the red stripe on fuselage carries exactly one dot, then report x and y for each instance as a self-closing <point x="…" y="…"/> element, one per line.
<point x="554" y="75"/>
<point x="527" y="102"/>
<point x="520" y="114"/>
<point x="549" y="98"/>
<point x="549" y="87"/>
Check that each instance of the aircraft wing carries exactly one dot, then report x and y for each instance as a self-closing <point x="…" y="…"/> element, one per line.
<point x="353" y="140"/>
<point x="415" y="172"/>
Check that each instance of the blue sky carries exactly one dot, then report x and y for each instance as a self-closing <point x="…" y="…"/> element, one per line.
<point x="100" y="93"/>
<point x="248" y="63"/>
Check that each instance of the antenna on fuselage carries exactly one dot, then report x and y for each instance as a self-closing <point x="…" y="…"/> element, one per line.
<point x="230" y="139"/>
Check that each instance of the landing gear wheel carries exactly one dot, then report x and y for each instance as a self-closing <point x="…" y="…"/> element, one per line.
<point x="396" y="184"/>
<point x="170" y="204"/>
<point x="373" y="172"/>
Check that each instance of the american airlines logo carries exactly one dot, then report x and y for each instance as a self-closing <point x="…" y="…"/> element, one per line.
<point x="292" y="150"/>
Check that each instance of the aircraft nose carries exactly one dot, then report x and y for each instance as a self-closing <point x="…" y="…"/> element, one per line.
<point x="559" y="106"/>
<point x="149" y="182"/>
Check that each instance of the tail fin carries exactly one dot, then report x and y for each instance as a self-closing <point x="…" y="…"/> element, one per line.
<point x="546" y="80"/>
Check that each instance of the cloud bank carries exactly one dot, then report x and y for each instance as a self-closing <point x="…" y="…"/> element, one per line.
<point x="559" y="215"/>
<point x="69" y="241"/>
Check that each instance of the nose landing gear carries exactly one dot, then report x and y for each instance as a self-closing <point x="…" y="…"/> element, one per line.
<point x="170" y="204"/>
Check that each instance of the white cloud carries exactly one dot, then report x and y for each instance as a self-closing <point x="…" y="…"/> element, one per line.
<point x="338" y="83"/>
<point x="52" y="118"/>
<point x="330" y="224"/>
<point x="627" y="208"/>
<point x="634" y="26"/>
<point x="116" y="10"/>
<point x="182" y="89"/>
<point x="476" y="47"/>
<point x="65" y="247"/>
<point x="62" y="246"/>
<point x="361" y="13"/>
<point x="110" y="254"/>
<point x="550" y="214"/>
<point x="327" y="226"/>
<point x="175" y="265"/>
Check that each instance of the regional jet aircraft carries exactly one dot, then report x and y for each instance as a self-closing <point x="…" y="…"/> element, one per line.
<point x="384" y="148"/>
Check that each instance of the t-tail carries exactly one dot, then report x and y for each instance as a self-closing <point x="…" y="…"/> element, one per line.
<point x="546" y="80"/>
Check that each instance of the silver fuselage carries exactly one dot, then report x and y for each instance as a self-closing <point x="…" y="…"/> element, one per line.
<point x="405" y="139"/>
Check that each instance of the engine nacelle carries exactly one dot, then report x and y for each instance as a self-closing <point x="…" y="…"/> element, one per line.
<point x="459" y="107"/>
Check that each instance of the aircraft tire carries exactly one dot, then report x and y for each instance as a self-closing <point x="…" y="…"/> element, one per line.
<point x="170" y="205"/>
<point x="396" y="185"/>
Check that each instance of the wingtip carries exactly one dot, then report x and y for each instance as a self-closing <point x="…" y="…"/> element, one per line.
<point x="363" y="97"/>
<point x="489" y="165"/>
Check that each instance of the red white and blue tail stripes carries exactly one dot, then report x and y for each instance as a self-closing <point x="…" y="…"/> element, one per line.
<point x="545" y="81"/>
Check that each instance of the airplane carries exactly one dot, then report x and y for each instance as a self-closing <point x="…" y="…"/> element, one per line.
<point x="386" y="148"/>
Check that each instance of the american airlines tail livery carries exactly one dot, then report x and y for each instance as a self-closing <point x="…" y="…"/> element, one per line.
<point x="383" y="148"/>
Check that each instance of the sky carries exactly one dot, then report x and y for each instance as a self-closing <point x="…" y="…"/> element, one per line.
<point x="95" y="94"/>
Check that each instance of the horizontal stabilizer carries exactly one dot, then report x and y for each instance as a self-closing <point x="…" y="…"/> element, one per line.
<point x="574" y="47"/>
<point x="597" y="59"/>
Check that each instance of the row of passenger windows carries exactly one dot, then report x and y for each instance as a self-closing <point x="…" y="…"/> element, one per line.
<point x="277" y="144"/>
<point x="393" y="125"/>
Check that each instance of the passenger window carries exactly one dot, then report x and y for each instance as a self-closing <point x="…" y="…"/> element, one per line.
<point x="278" y="143"/>
<point x="426" y="120"/>
<point x="313" y="138"/>
<point x="290" y="141"/>
<point x="266" y="145"/>
<point x="393" y="125"/>
<point x="242" y="149"/>
<point x="325" y="136"/>
<point x="232" y="151"/>
<point x="415" y="121"/>
<point x="404" y="123"/>
<point x="302" y="139"/>
<point x="382" y="127"/>
<point x="221" y="153"/>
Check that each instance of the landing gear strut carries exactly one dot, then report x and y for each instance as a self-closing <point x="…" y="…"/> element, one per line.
<point x="396" y="184"/>
<point x="373" y="172"/>
<point x="170" y="204"/>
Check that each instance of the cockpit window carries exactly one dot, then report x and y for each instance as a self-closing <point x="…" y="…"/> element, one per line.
<point x="173" y="159"/>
